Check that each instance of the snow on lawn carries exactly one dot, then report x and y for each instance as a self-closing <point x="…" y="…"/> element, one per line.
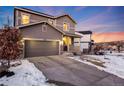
<point x="26" y="74"/>
<point x="116" y="53"/>
<point x="113" y="64"/>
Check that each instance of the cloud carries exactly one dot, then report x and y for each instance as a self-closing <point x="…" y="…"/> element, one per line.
<point x="100" y="16"/>
<point x="101" y="22"/>
<point x="107" y="37"/>
<point x="101" y="27"/>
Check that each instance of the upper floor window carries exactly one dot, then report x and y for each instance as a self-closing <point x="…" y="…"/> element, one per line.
<point x="65" y="27"/>
<point x="44" y="28"/>
<point x="25" y="19"/>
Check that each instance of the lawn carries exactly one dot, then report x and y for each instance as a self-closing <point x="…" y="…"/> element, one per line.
<point x="112" y="63"/>
<point x="26" y="74"/>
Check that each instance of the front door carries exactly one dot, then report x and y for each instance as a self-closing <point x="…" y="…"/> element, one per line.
<point x="67" y="41"/>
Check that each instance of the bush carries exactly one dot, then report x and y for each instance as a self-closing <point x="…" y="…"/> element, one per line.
<point x="10" y="45"/>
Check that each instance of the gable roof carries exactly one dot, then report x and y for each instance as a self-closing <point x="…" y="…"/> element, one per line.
<point x="72" y="34"/>
<point x="43" y="14"/>
<point x="33" y="12"/>
<point x="63" y="32"/>
<point x="68" y="16"/>
<point x="79" y="34"/>
<point x="40" y="22"/>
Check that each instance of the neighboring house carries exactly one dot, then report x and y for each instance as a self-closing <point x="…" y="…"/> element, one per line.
<point x="84" y="42"/>
<point x="44" y="34"/>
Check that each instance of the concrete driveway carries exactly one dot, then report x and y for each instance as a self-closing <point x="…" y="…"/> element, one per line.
<point x="64" y="71"/>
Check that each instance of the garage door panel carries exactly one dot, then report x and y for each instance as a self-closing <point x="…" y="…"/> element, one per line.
<point x="35" y="48"/>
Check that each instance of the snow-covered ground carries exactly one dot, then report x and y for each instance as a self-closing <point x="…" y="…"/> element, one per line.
<point x="114" y="63"/>
<point x="26" y="74"/>
<point x="114" y="53"/>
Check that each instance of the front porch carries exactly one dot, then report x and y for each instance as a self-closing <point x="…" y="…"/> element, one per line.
<point x="68" y="45"/>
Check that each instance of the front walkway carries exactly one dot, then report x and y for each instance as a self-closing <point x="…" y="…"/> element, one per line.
<point x="65" y="71"/>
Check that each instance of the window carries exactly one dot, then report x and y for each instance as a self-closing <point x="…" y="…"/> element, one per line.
<point x="65" y="27"/>
<point x="25" y="19"/>
<point x="44" y="28"/>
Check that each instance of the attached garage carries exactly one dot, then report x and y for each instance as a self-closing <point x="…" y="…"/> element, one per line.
<point x="40" y="39"/>
<point x="35" y="48"/>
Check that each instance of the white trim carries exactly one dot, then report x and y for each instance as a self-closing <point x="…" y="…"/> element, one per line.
<point x="44" y="25"/>
<point x="62" y="43"/>
<point x="24" y="49"/>
<point x="31" y="24"/>
<point x="39" y="23"/>
<point x="40" y="39"/>
<point x="59" y="47"/>
<point x="31" y="11"/>
<point x="16" y="19"/>
<point x="23" y="52"/>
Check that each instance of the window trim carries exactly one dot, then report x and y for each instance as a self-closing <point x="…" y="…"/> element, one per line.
<point x="44" y="25"/>
<point x="22" y="15"/>
<point x="67" y="25"/>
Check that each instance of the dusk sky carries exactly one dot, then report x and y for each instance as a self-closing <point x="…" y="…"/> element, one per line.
<point x="107" y="23"/>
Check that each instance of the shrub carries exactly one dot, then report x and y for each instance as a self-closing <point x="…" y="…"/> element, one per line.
<point x="10" y="45"/>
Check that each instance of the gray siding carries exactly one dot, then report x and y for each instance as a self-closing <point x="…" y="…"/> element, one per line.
<point x="35" y="31"/>
<point x="33" y="17"/>
<point x="36" y="18"/>
<point x="60" y="20"/>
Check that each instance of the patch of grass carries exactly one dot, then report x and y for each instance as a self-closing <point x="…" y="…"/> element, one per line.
<point x="94" y="61"/>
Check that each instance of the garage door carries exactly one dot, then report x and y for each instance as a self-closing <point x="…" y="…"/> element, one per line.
<point x="34" y="48"/>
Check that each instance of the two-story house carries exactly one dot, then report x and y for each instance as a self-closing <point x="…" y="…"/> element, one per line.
<point x="44" y="34"/>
